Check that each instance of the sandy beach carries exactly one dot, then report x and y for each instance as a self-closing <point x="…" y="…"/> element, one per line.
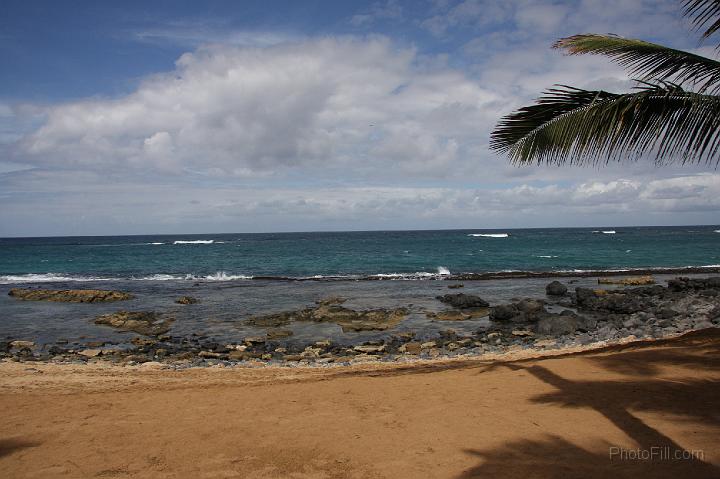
<point x="584" y="414"/>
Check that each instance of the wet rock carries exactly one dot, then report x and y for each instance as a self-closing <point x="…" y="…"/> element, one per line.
<point x="463" y="301"/>
<point x="147" y="323"/>
<point x="69" y="295"/>
<point x="504" y="312"/>
<point x="18" y="344"/>
<point x="452" y="315"/>
<point x="252" y="340"/>
<point x="628" y="281"/>
<point x="330" y="312"/>
<point x="556" y="288"/>
<point x="186" y="300"/>
<point x="456" y="286"/>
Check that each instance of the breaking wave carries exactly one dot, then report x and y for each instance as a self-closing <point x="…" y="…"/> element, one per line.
<point x="46" y="278"/>
<point x="194" y="242"/>
<point x="490" y="235"/>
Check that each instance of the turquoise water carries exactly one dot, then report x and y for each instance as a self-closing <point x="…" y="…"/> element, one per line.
<point x="414" y="254"/>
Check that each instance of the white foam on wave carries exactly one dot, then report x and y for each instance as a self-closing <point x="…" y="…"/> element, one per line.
<point x="223" y="276"/>
<point x="46" y="278"/>
<point x="608" y="232"/>
<point x="194" y="242"/>
<point x="164" y="277"/>
<point x="408" y="276"/>
<point x="155" y="243"/>
<point x="490" y="235"/>
<point x="716" y="231"/>
<point x="443" y="271"/>
<point x="546" y="256"/>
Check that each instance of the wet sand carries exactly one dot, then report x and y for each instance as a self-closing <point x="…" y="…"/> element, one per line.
<point x="543" y="417"/>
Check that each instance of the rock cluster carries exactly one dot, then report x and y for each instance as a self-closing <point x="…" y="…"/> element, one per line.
<point x="589" y="316"/>
<point x="69" y="295"/>
<point x="331" y="311"/>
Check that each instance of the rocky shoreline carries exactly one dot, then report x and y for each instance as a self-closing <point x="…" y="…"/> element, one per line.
<point x="562" y="319"/>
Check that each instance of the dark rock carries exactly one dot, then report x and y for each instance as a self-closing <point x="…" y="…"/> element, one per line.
<point x="616" y="302"/>
<point x="531" y="308"/>
<point x="69" y="295"/>
<point x="666" y="313"/>
<point x="557" y="324"/>
<point x="504" y="312"/>
<point x="147" y="323"/>
<point x="456" y="286"/>
<point x="685" y="284"/>
<point x="556" y="288"/>
<point x="463" y="301"/>
<point x="584" y="323"/>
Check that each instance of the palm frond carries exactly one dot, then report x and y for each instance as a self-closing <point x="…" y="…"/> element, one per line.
<point x="580" y="126"/>
<point x="702" y="13"/>
<point x="648" y="61"/>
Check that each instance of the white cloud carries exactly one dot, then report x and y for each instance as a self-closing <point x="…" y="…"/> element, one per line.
<point x="320" y="103"/>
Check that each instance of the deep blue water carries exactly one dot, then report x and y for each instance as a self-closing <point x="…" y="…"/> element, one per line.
<point x="237" y="256"/>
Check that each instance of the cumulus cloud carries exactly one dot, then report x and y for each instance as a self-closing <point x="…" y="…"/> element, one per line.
<point x="322" y="103"/>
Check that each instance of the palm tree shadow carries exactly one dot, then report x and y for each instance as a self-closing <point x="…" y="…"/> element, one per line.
<point x="648" y="363"/>
<point x="12" y="445"/>
<point x="557" y="457"/>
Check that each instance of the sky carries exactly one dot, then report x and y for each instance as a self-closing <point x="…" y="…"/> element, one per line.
<point x="153" y="117"/>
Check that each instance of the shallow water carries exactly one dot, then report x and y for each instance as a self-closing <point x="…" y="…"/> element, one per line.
<point x="224" y="307"/>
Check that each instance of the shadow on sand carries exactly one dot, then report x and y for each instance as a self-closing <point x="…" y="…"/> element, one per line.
<point x="694" y="400"/>
<point x="11" y="445"/>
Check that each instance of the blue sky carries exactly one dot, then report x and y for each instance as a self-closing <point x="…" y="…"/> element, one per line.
<point x="181" y="116"/>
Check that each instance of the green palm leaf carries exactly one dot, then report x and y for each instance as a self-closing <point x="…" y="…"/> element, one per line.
<point x="579" y="126"/>
<point x="648" y="61"/>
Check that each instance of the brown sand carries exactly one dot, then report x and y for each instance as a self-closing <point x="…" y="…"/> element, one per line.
<point x="551" y="417"/>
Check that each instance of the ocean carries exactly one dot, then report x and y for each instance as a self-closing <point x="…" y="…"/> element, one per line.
<point x="236" y="276"/>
